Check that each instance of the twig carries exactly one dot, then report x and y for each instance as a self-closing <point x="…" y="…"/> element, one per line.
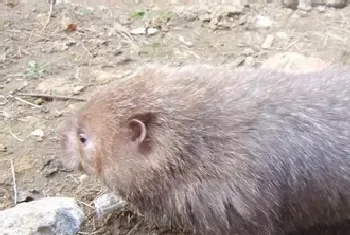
<point x="90" y="54"/>
<point x="13" y="75"/>
<point x="27" y="102"/>
<point x="85" y="204"/>
<point x="14" y="136"/>
<point x="14" y="182"/>
<point x="52" y="96"/>
<point x="98" y="231"/>
<point x="49" y="16"/>
<point x="135" y="227"/>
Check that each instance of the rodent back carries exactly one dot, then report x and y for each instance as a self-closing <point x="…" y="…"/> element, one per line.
<point x="235" y="138"/>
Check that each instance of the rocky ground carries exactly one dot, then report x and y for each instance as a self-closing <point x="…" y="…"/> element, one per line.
<point x="49" y="63"/>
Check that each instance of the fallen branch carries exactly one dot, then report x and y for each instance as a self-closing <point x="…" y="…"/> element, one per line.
<point x="14" y="183"/>
<point x="27" y="102"/>
<point x="61" y="97"/>
<point x="49" y="16"/>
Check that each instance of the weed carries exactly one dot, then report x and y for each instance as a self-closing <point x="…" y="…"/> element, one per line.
<point x="137" y="13"/>
<point x="34" y="70"/>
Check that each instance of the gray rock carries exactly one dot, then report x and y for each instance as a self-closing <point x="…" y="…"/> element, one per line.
<point x="290" y="3"/>
<point x="47" y="216"/>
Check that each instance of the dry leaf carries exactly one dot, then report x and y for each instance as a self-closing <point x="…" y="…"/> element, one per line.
<point x="71" y="27"/>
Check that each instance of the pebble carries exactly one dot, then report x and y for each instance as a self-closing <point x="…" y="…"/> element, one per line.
<point x="39" y="101"/>
<point x="263" y="21"/>
<point x="321" y="9"/>
<point x="182" y="39"/>
<point x="37" y="133"/>
<point x="304" y="7"/>
<point x="138" y="31"/>
<point x="26" y="196"/>
<point x="151" y="31"/>
<point x="3" y="148"/>
<point x="205" y="17"/>
<point x="268" y="41"/>
<point x="78" y="89"/>
<point x="282" y="35"/>
<point x="51" y="215"/>
<point x="248" y="51"/>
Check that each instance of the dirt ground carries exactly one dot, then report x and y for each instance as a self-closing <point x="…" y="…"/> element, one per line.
<point x="80" y="48"/>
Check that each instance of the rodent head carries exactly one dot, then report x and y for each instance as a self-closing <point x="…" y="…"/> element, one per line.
<point x="108" y="143"/>
<point x="78" y="143"/>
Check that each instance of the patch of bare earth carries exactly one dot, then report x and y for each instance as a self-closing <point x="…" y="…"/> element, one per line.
<point x="48" y="63"/>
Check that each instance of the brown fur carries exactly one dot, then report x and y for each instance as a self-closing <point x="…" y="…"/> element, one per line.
<point x="245" y="151"/>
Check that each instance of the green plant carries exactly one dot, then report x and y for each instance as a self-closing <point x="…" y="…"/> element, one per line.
<point x="34" y="70"/>
<point x="137" y="13"/>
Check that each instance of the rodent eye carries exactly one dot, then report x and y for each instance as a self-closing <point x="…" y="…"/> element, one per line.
<point x="82" y="138"/>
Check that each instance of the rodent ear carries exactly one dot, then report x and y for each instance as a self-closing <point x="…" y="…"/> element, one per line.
<point x="138" y="130"/>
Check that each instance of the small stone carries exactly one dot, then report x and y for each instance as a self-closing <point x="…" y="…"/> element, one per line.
<point x="42" y="18"/>
<point x="39" y="101"/>
<point x="304" y="7"/>
<point x="151" y="31"/>
<point x="190" y="16"/>
<point x="78" y="89"/>
<point x="117" y="52"/>
<point x="182" y="39"/>
<point x="3" y="148"/>
<point x="37" y="133"/>
<point x="237" y="62"/>
<point x="138" y="31"/>
<point x="3" y="100"/>
<point x="242" y="20"/>
<point x="205" y="17"/>
<point x="83" y="178"/>
<point x="268" y="41"/>
<point x="50" y="215"/>
<point x="282" y="35"/>
<point x="249" y="62"/>
<point x="58" y="114"/>
<point x="103" y="8"/>
<point x="290" y="3"/>
<point x="70" y="43"/>
<point x="263" y="21"/>
<point x="247" y="51"/>
<point x="51" y="171"/>
<point x="229" y="10"/>
<point x="321" y="8"/>
<point x="108" y="202"/>
<point x="26" y="196"/>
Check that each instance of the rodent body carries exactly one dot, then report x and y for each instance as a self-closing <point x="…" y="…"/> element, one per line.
<point x="221" y="151"/>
